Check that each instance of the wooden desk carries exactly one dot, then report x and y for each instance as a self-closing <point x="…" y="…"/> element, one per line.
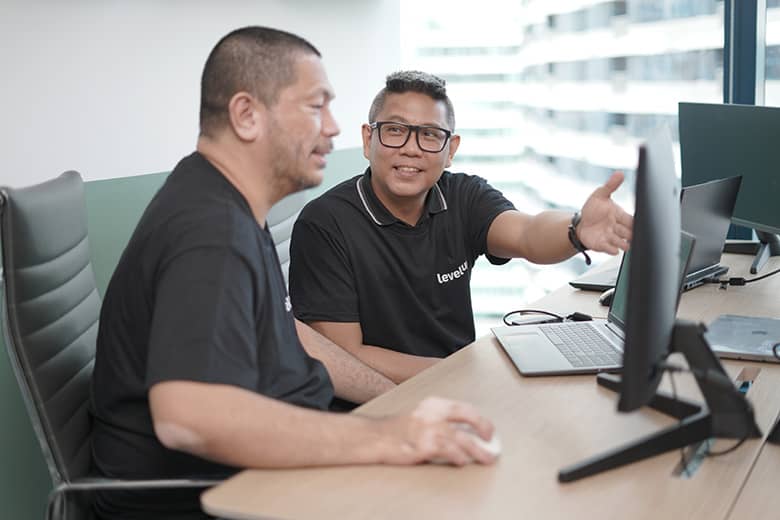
<point x="544" y="424"/>
<point x="760" y="497"/>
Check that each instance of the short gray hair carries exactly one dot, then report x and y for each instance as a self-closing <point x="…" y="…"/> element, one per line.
<point x="257" y="60"/>
<point x="413" y="81"/>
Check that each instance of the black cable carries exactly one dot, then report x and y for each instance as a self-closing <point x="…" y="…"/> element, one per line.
<point x="729" y="449"/>
<point x="736" y="281"/>
<point x="527" y="312"/>
<point x="683" y="460"/>
<point x="774" y="350"/>
<point x="707" y="376"/>
<point x="553" y="318"/>
<point x="718" y="380"/>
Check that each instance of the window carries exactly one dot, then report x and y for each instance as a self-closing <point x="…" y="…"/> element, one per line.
<point x="772" y="54"/>
<point x="558" y="98"/>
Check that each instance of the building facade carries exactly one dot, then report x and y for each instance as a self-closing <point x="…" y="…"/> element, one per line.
<point x="553" y="96"/>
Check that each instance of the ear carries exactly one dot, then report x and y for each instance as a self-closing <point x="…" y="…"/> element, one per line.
<point x="366" y="132"/>
<point x="246" y="117"/>
<point x="454" y="143"/>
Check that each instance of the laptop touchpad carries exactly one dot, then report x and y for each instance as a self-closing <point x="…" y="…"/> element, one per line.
<point x="532" y="352"/>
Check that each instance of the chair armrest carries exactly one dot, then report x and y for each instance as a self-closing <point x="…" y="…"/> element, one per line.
<point x="55" y="506"/>
<point x="92" y="484"/>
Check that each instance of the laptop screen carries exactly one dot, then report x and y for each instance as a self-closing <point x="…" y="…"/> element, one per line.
<point x="705" y="212"/>
<point x="617" y="311"/>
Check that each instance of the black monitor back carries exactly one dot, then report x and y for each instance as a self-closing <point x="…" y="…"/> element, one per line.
<point x="654" y="277"/>
<point x="654" y="282"/>
<point x="719" y="141"/>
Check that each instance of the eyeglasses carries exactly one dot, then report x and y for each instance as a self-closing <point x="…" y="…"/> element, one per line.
<point x="395" y="135"/>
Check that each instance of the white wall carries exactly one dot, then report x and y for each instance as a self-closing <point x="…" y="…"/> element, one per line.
<point x="111" y="88"/>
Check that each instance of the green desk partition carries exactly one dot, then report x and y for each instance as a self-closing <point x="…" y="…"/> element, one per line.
<point x="342" y="165"/>
<point x="24" y="479"/>
<point x="113" y="209"/>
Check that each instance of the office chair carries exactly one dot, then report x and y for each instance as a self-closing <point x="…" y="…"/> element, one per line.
<point x="50" y="311"/>
<point x="280" y="221"/>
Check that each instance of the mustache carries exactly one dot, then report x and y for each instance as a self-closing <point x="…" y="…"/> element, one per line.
<point x="324" y="148"/>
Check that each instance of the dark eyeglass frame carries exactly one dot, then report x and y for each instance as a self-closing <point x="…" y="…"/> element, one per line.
<point x="377" y="125"/>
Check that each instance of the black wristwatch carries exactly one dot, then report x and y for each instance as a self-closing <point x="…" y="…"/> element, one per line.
<point x="575" y="221"/>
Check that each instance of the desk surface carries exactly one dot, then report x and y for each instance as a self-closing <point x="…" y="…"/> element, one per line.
<point x="544" y="423"/>
<point x="759" y="498"/>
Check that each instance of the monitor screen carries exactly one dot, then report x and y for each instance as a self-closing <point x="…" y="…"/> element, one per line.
<point x="719" y="141"/>
<point x="654" y="272"/>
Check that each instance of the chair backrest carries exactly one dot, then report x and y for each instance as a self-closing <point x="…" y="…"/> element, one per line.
<point x="280" y="222"/>
<point x="50" y="315"/>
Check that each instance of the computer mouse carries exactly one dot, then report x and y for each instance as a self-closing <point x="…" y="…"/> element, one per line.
<point x="606" y="297"/>
<point x="493" y="446"/>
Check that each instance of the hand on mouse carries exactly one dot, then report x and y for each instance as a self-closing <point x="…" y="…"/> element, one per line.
<point x="440" y="430"/>
<point x="492" y="446"/>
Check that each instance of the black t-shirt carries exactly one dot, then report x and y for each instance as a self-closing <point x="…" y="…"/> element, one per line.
<point x="351" y="260"/>
<point x="198" y="295"/>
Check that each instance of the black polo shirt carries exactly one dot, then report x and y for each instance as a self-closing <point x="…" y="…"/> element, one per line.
<point x="198" y="295"/>
<point x="351" y="260"/>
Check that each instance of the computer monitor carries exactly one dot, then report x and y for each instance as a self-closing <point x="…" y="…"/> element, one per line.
<point x="653" y="277"/>
<point x="652" y="331"/>
<point x="719" y="141"/>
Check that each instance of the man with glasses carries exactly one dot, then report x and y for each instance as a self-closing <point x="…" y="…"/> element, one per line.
<point x="381" y="263"/>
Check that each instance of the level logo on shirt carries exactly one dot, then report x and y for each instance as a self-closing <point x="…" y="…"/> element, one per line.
<point x="287" y="303"/>
<point x="453" y="275"/>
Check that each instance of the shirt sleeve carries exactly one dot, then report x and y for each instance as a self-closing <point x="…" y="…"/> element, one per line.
<point x="483" y="204"/>
<point x="322" y="286"/>
<point x="203" y="327"/>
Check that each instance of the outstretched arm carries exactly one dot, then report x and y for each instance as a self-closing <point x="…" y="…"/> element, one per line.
<point x="397" y="366"/>
<point x="234" y="426"/>
<point x="544" y="239"/>
<point x="352" y="379"/>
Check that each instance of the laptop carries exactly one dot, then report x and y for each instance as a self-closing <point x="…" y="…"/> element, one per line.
<point x="744" y="337"/>
<point x="580" y="347"/>
<point x="706" y="214"/>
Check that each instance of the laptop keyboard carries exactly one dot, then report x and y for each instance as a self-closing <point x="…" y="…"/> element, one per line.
<point x="582" y="345"/>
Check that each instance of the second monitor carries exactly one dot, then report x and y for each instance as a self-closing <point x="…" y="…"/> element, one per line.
<point x="718" y="141"/>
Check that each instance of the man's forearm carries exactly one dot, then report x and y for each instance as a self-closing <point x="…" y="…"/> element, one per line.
<point x="397" y="366"/>
<point x="235" y="426"/>
<point x="352" y="378"/>
<point x="542" y="238"/>
<point x="548" y="240"/>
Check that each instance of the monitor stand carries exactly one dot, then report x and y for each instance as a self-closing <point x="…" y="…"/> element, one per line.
<point x="726" y="414"/>
<point x="774" y="435"/>
<point x="768" y="245"/>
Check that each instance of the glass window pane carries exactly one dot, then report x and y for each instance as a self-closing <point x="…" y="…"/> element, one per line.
<point x="772" y="54"/>
<point x="552" y="96"/>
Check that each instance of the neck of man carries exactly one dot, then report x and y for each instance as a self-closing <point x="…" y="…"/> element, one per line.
<point x="252" y="180"/>
<point x="405" y="209"/>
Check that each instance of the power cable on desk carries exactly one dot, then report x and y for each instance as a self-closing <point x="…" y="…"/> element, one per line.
<point x="683" y="460"/>
<point x="551" y="317"/>
<point x="713" y="378"/>
<point x="738" y="280"/>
